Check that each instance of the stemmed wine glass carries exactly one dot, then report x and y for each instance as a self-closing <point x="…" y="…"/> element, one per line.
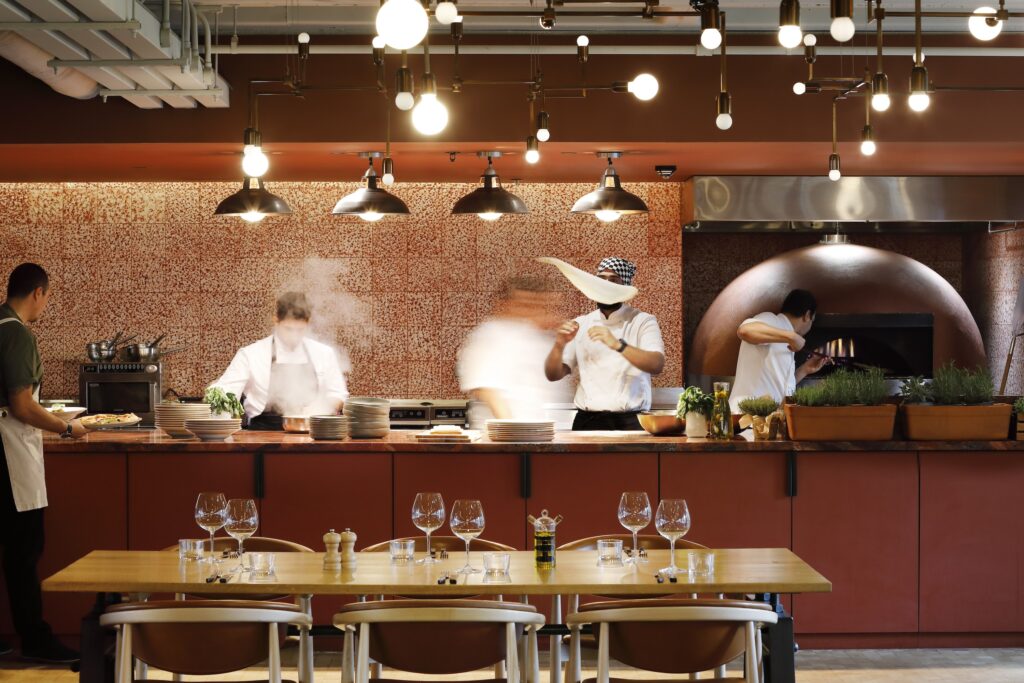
<point x="428" y="516"/>
<point x="672" y="522"/>
<point x="467" y="523"/>
<point x="242" y="521"/>
<point x="211" y="513"/>
<point x="635" y="514"/>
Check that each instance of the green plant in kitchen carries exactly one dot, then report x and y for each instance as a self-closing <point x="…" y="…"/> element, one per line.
<point x="1018" y="405"/>
<point x="223" y="402"/>
<point x="954" y="385"/>
<point x="915" y="390"/>
<point x="762" y="406"/>
<point x="869" y="386"/>
<point x="695" y="400"/>
<point x="845" y="388"/>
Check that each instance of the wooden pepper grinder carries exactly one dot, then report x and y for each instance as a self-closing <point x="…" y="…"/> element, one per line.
<point x="348" y="549"/>
<point x="332" y="558"/>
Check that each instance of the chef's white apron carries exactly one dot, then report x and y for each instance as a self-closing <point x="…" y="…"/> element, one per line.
<point x="23" y="448"/>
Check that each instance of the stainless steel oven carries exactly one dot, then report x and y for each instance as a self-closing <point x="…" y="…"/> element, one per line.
<point x="121" y="388"/>
<point x="423" y="414"/>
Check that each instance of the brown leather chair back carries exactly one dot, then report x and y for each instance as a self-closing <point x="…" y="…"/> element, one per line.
<point x="435" y="648"/>
<point x="675" y="647"/>
<point x="645" y="541"/>
<point x="449" y="543"/>
<point x="201" y="648"/>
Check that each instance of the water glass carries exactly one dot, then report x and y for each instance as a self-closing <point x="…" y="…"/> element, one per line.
<point x="609" y="552"/>
<point x="190" y="549"/>
<point x="496" y="564"/>
<point x="261" y="565"/>
<point x="402" y="549"/>
<point x="702" y="563"/>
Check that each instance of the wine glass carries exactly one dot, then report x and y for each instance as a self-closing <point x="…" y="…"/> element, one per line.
<point x="672" y="522"/>
<point x="211" y="513"/>
<point x="635" y="514"/>
<point x="467" y="523"/>
<point x="242" y="521"/>
<point x="428" y="516"/>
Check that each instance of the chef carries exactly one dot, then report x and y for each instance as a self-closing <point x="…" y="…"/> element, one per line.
<point x="766" y="365"/>
<point x="286" y="373"/>
<point x="617" y="349"/>
<point x="22" y="480"/>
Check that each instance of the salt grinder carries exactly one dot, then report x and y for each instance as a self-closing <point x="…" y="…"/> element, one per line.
<point x="332" y="558"/>
<point x="348" y="549"/>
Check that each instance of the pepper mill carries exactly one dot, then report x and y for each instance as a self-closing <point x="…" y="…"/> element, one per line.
<point x="348" y="549"/>
<point x="332" y="559"/>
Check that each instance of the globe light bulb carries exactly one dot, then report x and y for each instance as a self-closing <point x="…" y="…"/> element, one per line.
<point x="543" y="134"/>
<point x="810" y="40"/>
<point x="644" y="87"/>
<point x="723" y="121"/>
<point x="919" y="101"/>
<point x="868" y="147"/>
<point x="254" y="162"/>
<point x="608" y="216"/>
<point x="842" y="29"/>
<point x="799" y="88"/>
<point x="711" y="38"/>
<point x="880" y="102"/>
<point x="253" y="216"/>
<point x="405" y="101"/>
<point x="834" y="175"/>
<point x="489" y="216"/>
<point x="582" y="41"/>
<point x="388" y="179"/>
<point x="532" y="156"/>
<point x="371" y="216"/>
<point x="304" y="38"/>
<point x="979" y="27"/>
<point x="402" y="23"/>
<point x="429" y="117"/>
<point x="378" y="43"/>
<point x="790" y="36"/>
<point x="446" y="12"/>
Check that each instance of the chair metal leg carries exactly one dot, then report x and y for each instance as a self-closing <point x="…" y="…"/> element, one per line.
<point x="535" y="657"/>
<point x="348" y="672"/>
<point x="760" y="655"/>
<point x="750" y="656"/>
<point x="117" y="654"/>
<point x="124" y="661"/>
<point x="512" y="654"/>
<point x="555" y="642"/>
<point x="602" y="654"/>
<point x="306" y="649"/>
<point x="274" y="656"/>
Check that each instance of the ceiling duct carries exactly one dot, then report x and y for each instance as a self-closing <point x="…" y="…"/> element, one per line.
<point x="33" y="60"/>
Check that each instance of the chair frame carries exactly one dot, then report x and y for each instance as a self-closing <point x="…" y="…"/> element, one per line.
<point x="356" y="627"/>
<point x="124" y="620"/>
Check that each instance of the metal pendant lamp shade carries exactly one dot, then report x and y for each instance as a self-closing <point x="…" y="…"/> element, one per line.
<point x="370" y="200"/>
<point x="490" y="198"/>
<point x="609" y="196"/>
<point x="253" y="198"/>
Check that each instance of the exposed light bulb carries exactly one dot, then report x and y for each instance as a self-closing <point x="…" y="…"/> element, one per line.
<point x="833" y="167"/>
<point x="388" y="178"/>
<point x="371" y="216"/>
<point x="446" y="12"/>
<point x="842" y="29"/>
<point x="543" y="134"/>
<point x="254" y="162"/>
<point x="880" y="102"/>
<point x="810" y="40"/>
<point x="253" y="216"/>
<point x="582" y="41"/>
<point x="644" y="87"/>
<point x="979" y="26"/>
<point x="405" y="101"/>
<point x="430" y="116"/>
<point x="834" y="174"/>
<point x="489" y="216"/>
<point x="868" y="147"/>
<point x="711" y="38"/>
<point x="532" y="155"/>
<point x="790" y="36"/>
<point x="402" y="23"/>
<point x="608" y="215"/>
<point x="919" y="101"/>
<point x="799" y="88"/>
<point x="304" y="38"/>
<point x="723" y="121"/>
<point x="378" y="43"/>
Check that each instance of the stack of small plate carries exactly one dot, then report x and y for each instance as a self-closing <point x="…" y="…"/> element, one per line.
<point x="328" y="427"/>
<point x="213" y="428"/>
<point x="520" y="430"/>
<point x="369" y="418"/>
<point x="171" y="417"/>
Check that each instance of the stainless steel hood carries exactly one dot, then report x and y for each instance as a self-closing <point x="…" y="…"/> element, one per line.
<point x="814" y="202"/>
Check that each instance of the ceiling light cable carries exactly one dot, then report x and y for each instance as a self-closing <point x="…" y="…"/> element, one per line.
<point x="723" y="118"/>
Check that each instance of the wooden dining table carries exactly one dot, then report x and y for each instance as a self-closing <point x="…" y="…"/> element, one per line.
<point x="765" y="572"/>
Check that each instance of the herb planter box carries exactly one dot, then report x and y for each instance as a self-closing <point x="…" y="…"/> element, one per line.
<point x="840" y="423"/>
<point x="990" y="422"/>
<point x="1020" y="426"/>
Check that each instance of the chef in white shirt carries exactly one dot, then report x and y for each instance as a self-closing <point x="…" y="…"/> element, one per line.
<point x="617" y="349"/>
<point x="766" y="364"/>
<point x="501" y="364"/>
<point x="286" y="373"/>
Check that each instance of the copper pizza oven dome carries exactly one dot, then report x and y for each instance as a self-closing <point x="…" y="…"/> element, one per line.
<point x="847" y="279"/>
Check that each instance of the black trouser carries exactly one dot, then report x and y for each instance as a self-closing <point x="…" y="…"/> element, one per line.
<point x="586" y="420"/>
<point x="21" y="545"/>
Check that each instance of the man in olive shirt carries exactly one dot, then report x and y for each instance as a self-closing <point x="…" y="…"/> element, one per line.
<point x="22" y="482"/>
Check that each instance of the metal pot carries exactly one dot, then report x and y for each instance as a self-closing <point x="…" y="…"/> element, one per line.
<point x="101" y="351"/>
<point x="147" y="353"/>
<point x="297" y="424"/>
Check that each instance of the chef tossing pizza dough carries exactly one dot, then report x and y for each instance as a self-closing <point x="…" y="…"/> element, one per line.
<point x="593" y="287"/>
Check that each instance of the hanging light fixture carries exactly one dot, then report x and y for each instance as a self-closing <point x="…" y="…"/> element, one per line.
<point x="789" y="24"/>
<point x="446" y="12"/>
<point x="430" y="116"/>
<point x="834" y="174"/>
<point x="724" y="103"/>
<point x="867" y="134"/>
<point x="919" y="97"/>
<point x="643" y="87"/>
<point x="984" y="25"/>
<point x="254" y="161"/>
<point x="609" y="201"/>
<point x="490" y="201"/>
<point x="879" y="82"/>
<point x="404" y="98"/>
<point x="842" y="28"/>
<point x="253" y="202"/>
<point x="710" y="25"/>
<point x="582" y="49"/>
<point x="402" y="23"/>
<point x="532" y="155"/>
<point x="370" y="202"/>
<point x="543" y="129"/>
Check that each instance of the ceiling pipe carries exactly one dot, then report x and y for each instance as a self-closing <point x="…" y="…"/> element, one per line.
<point x="34" y="61"/>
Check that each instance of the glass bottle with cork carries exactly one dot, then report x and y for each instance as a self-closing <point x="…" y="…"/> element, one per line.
<point x="721" y="413"/>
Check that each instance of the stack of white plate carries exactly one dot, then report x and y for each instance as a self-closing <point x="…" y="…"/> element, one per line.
<point x="520" y="430"/>
<point x="171" y="417"/>
<point x="328" y="427"/>
<point x="368" y="418"/>
<point x="213" y="428"/>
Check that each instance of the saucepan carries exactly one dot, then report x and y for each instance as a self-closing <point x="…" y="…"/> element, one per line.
<point x="146" y="352"/>
<point x="297" y="424"/>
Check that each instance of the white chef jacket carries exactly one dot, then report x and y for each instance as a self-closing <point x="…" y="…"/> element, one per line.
<point x="607" y="380"/>
<point x="507" y="355"/>
<point x="764" y="369"/>
<point x="249" y="371"/>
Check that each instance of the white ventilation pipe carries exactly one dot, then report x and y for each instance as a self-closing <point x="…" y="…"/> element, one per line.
<point x="32" y="59"/>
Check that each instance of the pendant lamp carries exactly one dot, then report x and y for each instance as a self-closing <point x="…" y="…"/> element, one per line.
<point x="253" y="202"/>
<point x="609" y="201"/>
<point x="490" y="201"/>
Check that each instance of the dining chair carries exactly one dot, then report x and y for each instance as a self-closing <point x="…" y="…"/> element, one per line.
<point x="439" y="637"/>
<point x="674" y="636"/>
<point x="203" y="637"/>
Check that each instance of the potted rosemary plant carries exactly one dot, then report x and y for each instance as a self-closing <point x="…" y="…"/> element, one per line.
<point x="759" y="412"/>
<point x="1018" y="407"/>
<point x="695" y="406"/>
<point x="845" y="406"/>
<point x="956" y="406"/>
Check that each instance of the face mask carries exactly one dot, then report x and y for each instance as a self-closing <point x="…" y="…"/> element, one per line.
<point x="609" y="308"/>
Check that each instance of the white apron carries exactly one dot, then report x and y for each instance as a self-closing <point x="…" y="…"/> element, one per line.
<point x="23" y="448"/>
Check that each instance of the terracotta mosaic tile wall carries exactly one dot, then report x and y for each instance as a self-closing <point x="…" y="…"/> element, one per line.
<point x="399" y="294"/>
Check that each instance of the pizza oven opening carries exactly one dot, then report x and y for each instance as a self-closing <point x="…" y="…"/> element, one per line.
<point x="898" y="343"/>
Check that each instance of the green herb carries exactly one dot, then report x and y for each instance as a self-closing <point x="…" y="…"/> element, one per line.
<point x="915" y="390"/>
<point x="221" y="402"/>
<point x="953" y="385"/>
<point x="762" y="406"/>
<point x="1018" y="405"/>
<point x="695" y="400"/>
<point x="844" y="388"/>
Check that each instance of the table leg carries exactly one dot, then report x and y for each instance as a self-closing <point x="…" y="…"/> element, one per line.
<point x="94" y="642"/>
<point x="780" y="646"/>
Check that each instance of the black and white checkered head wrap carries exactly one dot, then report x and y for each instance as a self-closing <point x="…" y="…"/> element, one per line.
<point x="620" y="266"/>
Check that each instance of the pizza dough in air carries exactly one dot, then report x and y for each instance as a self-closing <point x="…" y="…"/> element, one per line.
<point x="593" y="287"/>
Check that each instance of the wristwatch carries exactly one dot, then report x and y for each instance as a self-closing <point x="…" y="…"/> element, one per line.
<point x="622" y="345"/>
<point x="66" y="434"/>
